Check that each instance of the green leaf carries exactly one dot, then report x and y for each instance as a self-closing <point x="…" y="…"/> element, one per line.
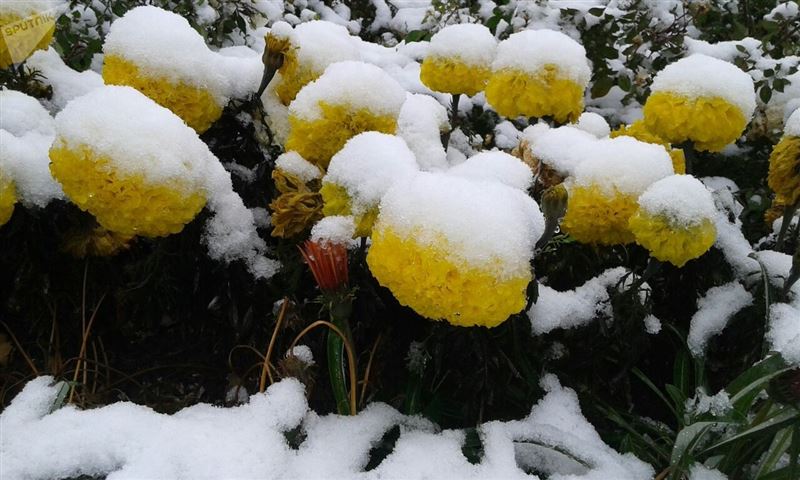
<point x="744" y="388"/>
<point x="601" y="87"/>
<point x="784" y="417"/>
<point x="417" y="36"/>
<point x="765" y="93"/>
<point x="641" y="376"/>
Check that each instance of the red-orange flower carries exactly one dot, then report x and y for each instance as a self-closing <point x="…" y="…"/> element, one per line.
<point x="328" y="264"/>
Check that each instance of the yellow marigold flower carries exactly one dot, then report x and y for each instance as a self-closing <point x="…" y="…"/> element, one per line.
<point x="674" y="220"/>
<point x="639" y="131"/>
<point x="33" y="24"/>
<point x="300" y="55"/>
<point x="539" y="73"/>
<point x="158" y="53"/>
<point x="784" y="169"/>
<point x="595" y="217"/>
<point x="456" y="249"/>
<point x="604" y="188"/>
<point x="459" y="59"/>
<point x="298" y="206"/>
<point x="700" y="99"/>
<point x="127" y="204"/>
<point x="337" y="202"/>
<point x="196" y="106"/>
<point x="8" y="198"/>
<point x="97" y="242"/>
<point x="348" y="99"/>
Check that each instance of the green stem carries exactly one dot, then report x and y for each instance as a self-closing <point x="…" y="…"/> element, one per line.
<point x="689" y="155"/>
<point x="336" y="358"/>
<point x="453" y="119"/>
<point x="788" y="214"/>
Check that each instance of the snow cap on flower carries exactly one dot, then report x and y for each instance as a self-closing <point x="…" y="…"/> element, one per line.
<point x="421" y="123"/>
<point x="562" y="148"/>
<point x="293" y="164"/>
<point x="459" y="59"/>
<point x="307" y="51"/>
<point x="360" y="174"/>
<point x="160" y="54"/>
<point x="675" y="219"/>
<point x="593" y="123"/>
<point x="456" y="249"/>
<point x="792" y="126"/>
<point x="498" y="166"/>
<point x="539" y="73"/>
<point x="349" y="98"/>
<point x="700" y="99"/>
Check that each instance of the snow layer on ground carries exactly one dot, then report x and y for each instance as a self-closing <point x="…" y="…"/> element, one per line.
<point x="573" y="308"/>
<point x="703" y="76"/>
<point x="26" y="133"/>
<point x="714" y="312"/>
<point x="127" y="441"/>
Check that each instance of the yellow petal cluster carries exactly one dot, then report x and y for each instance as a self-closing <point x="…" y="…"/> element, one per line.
<point x="710" y="122"/>
<point x="297" y="207"/>
<point x="42" y="44"/>
<point x="318" y="139"/>
<point x="451" y="75"/>
<point x="338" y="202"/>
<point x="8" y="198"/>
<point x="639" y="131"/>
<point x="670" y="242"/>
<point x="196" y="106"/>
<point x="123" y="203"/>
<point x="784" y="170"/>
<point x="548" y="93"/>
<point x="97" y="242"/>
<point x="439" y="287"/>
<point x="595" y="217"/>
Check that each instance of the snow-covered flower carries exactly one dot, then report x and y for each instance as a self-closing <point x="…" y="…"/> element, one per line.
<point x="296" y="57"/>
<point x="299" y="204"/>
<point x="158" y="53"/>
<point x="639" y="131"/>
<point x="784" y="163"/>
<point x="349" y="98"/>
<point x="32" y="22"/>
<point x="361" y="173"/>
<point x="128" y="191"/>
<point x="700" y="99"/>
<point x="605" y="187"/>
<point x="674" y="220"/>
<point x="539" y="73"/>
<point x="456" y="249"/>
<point x="459" y="59"/>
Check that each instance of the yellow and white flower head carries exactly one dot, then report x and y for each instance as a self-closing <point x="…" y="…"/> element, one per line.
<point x="700" y="99"/>
<point x="539" y="73"/>
<point x="639" y="131"/>
<point x="306" y="51"/>
<point x="361" y="173"/>
<point x="26" y="132"/>
<point x="674" y="220"/>
<point x="604" y="188"/>
<point x="158" y="53"/>
<point x="556" y="152"/>
<point x="459" y="59"/>
<point x="142" y="171"/>
<point x="496" y="166"/>
<point x="27" y="26"/>
<point x="349" y="98"/>
<point x="784" y="162"/>
<point x="456" y="249"/>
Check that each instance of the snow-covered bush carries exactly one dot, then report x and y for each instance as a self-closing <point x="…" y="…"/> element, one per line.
<point x="399" y="239"/>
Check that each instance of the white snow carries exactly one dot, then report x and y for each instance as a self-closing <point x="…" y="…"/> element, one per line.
<point x="471" y="43"/>
<point x="683" y="199"/>
<point x="318" y="43"/>
<point x="368" y="165"/>
<point x="593" y="123"/>
<point x="623" y="164"/>
<point x="496" y="165"/>
<point x="356" y="84"/>
<point x="699" y="75"/>
<point x="26" y="133"/>
<point x="303" y="353"/>
<point x="573" y="308"/>
<point x="562" y="148"/>
<point x="792" y="126"/>
<point x="140" y="137"/>
<point x="334" y="229"/>
<point x="698" y="471"/>
<point x="717" y="405"/>
<point x="487" y="224"/>
<point x="421" y="122"/>
<point x="126" y="441"/>
<point x="294" y="164"/>
<point x="531" y="50"/>
<point x="714" y="312"/>
<point x="24" y="8"/>
<point x="652" y="324"/>
<point x="66" y="82"/>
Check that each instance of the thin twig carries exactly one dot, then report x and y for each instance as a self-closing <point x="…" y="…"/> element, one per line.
<point x="21" y="350"/>
<point x="262" y="384"/>
<point x="83" y="348"/>
<point x="369" y="367"/>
